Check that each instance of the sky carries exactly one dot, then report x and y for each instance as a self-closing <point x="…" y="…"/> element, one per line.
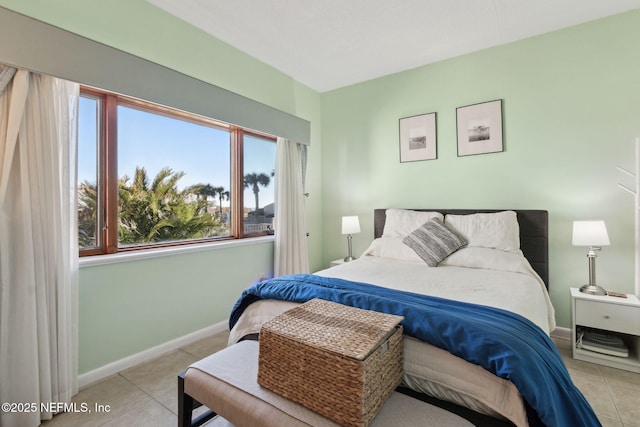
<point x="153" y="142"/>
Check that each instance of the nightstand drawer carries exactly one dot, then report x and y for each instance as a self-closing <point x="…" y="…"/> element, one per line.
<point x="610" y="317"/>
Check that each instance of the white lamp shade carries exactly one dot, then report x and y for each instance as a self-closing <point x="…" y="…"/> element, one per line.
<point x="350" y="225"/>
<point x="590" y="233"/>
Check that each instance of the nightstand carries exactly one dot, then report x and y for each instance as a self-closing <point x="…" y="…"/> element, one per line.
<point x="336" y="262"/>
<point x="610" y="314"/>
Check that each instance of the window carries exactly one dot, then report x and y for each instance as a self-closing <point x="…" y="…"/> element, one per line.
<point x="89" y="204"/>
<point x="153" y="176"/>
<point x="259" y="170"/>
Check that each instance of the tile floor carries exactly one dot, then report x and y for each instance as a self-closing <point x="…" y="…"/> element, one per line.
<point x="146" y="395"/>
<point x="614" y="394"/>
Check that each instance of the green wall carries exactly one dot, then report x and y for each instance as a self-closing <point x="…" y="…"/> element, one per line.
<point x="127" y="307"/>
<point x="571" y="115"/>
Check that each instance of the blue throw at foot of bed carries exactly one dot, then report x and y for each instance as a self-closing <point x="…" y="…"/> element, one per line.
<point x="503" y="343"/>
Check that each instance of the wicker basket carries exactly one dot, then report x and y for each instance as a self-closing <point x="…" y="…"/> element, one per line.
<point x="339" y="361"/>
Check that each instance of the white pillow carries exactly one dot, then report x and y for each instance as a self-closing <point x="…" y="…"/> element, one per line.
<point x="402" y="222"/>
<point x="393" y="248"/>
<point x="499" y="230"/>
<point x="488" y="259"/>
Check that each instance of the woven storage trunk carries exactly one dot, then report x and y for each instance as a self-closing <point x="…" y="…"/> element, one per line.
<point x="339" y="361"/>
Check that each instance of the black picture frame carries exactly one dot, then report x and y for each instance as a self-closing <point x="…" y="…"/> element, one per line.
<point x="418" y="138"/>
<point x="479" y="128"/>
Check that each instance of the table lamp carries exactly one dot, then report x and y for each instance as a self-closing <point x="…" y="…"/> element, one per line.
<point x="350" y="225"/>
<point x="594" y="235"/>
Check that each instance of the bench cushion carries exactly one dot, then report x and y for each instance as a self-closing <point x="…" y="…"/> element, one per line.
<point x="226" y="382"/>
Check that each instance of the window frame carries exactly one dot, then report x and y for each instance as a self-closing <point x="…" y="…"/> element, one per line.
<point x="107" y="174"/>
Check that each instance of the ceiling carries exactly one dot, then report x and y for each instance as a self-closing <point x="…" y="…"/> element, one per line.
<point x="328" y="44"/>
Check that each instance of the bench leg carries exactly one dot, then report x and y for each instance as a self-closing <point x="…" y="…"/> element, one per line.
<point x="186" y="405"/>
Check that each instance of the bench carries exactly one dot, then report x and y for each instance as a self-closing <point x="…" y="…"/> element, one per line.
<point x="226" y="383"/>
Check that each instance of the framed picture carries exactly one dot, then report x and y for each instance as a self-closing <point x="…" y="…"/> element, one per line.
<point x="479" y="128"/>
<point x="418" y="138"/>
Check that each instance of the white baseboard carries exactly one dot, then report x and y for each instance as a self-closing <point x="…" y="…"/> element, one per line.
<point x="135" y="359"/>
<point x="562" y="336"/>
<point x="561" y="333"/>
<point x="151" y="353"/>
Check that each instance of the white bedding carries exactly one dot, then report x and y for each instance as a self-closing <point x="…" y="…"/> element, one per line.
<point x="478" y="275"/>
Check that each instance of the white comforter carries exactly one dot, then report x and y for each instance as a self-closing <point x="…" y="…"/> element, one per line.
<point x="477" y="275"/>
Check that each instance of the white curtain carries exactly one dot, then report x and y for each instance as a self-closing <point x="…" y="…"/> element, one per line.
<point x="291" y="252"/>
<point x="38" y="245"/>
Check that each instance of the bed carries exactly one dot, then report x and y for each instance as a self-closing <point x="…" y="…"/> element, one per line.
<point x="491" y="261"/>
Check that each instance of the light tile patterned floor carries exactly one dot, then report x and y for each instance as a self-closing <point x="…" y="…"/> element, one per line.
<point x="613" y="394"/>
<point x="146" y="395"/>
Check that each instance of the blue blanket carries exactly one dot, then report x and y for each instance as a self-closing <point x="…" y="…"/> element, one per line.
<point x="503" y="343"/>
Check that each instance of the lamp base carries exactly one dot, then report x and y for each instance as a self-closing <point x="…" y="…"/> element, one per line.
<point x="348" y="258"/>
<point x="593" y="290"/>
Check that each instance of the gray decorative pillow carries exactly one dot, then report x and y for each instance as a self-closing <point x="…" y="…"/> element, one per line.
<point x="433" y="242"/>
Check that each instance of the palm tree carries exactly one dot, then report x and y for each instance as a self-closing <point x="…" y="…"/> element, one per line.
<point x="203" y="190"/>
<point x="87" y="214"/>
<point x="160" y="212"/>
<point x="254" y="180"/>
<point x="222" y="194"/>
<point x="153" y="212"/>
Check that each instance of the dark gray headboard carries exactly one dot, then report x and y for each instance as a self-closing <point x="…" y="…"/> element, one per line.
<point x="534" y="233"/>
